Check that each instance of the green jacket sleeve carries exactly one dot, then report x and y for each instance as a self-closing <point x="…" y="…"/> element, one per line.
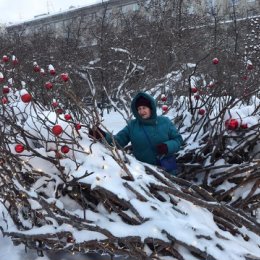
<point x="175" y="139"/>
<point x="122" y="138"/>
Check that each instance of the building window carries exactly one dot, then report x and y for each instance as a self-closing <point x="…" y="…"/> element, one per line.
<point x="211" y="3"/>
<point x="211" y="6"/>
<point x="130" y="8"/>
<point x="191" y="9"/>
<point x="251" y="13"/>
<point x="233" y="2"/>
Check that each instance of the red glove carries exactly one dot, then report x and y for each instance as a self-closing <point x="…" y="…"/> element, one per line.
<point x="162" y="148"/>
<point x="97" y="132"/>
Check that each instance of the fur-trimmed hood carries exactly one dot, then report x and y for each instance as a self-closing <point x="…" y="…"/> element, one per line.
<point x="153" y="117"/>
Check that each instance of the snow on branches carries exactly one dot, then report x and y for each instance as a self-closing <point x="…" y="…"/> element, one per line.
<point x="61" y="190"/>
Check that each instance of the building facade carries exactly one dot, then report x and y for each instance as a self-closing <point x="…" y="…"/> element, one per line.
<point x="226" y="9"/>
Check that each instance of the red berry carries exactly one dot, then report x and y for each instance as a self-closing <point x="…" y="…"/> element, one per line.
<point x="26" y="98"/>
<point x="57" y="130"/>
<point x="67" y="117"/>
<point x="48" y="85"/>
<point x="65" y="149"/>
<point x="64" y="77"/>
<point x="59" y="111"/>
<point x="194" y="90"/>
<point x="250" y="66"/>
<point x="197" y="97"/>
<point x="245" y="77"/>
<point x="78" y="126"/>
<point x="5" y="58"/>
<point x="215" y="61"/>
<point x="163" y="98"/>
<point x="52" y="72"/>
<point x="4" y="100"/>
<point x="55" y="104"/>
<point x="231" y="124"/>
<point x="202" y="111"/>
<point x="15" y="61"/>
<point x="19" y="148"/>
<point x="36" y="68"/>
<point x="244" y="126"/>
<point x="1" y="77"/>
<point x="70" y="239"/>
<point x="6" y="90"/>
<point x="165" y="108"/>
<point x="42" y="72"/>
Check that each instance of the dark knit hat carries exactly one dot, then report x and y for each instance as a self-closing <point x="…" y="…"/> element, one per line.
<point x="142" y="101"/>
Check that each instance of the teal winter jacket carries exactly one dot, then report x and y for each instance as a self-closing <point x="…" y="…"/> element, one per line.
<point x="159" y="129"/>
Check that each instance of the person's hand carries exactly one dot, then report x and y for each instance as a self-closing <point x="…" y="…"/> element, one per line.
<point x="97" y="132"/>
<point x="162" y="149"/>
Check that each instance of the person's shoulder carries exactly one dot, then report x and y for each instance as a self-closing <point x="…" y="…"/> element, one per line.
<point x="163" y="119"/>
<point x="132" y="122"/>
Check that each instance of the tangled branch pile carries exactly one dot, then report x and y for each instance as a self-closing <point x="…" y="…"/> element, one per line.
<point x="61" y="190"/>
<point x="148" y="217"/>
<point x="222" y="148"/>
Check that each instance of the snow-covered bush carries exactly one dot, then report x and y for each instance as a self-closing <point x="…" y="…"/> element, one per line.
<point x="61" y="190"/>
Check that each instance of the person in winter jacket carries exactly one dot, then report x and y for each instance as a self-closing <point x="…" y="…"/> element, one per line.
<point x="152" y="137"/>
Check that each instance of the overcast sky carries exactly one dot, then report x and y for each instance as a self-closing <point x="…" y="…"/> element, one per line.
<point x="19" y="10"/>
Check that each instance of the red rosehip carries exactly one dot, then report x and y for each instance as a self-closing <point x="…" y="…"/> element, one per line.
<point x="65" y="149"/>
<point x="5" y="58"/>
<point x="244" y="126"/>
<point x="36" y="68"/>
<point x="55" y="104"/>
<point x="249" y="66"/>
<point x="19" y="148"/>
<point x="26" y="98"/>
<point x="165" y="108"/>
<point x="215" y="61"/>
<point x="197" y="97"/>
<point x="202" y="111"/>
<point x="4" y="100"/>
<point x="78" y="126"/>
<point x="231" y="124"/>
<point x="6" y="89"/>
<point x="52" y="71"/>
<point x="42" y="72"/>
<point x="70" y="239"/>
<point x="163" y="98"/>
<point x="67" y="117"/>
<point x="1" y="77"/>
<point x="194" y="90"/>
<point x="15" y="61"/>
<point x="48" y="85"/>
<point x="57" y="130"/>
<point x="59" y="111"/>
<point x="245" y="77"/>
<point x="64" y="77"/>
<point x="210" y="85"/>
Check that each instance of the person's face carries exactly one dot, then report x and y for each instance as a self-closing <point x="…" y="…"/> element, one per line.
<point x="144" y="111"/>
